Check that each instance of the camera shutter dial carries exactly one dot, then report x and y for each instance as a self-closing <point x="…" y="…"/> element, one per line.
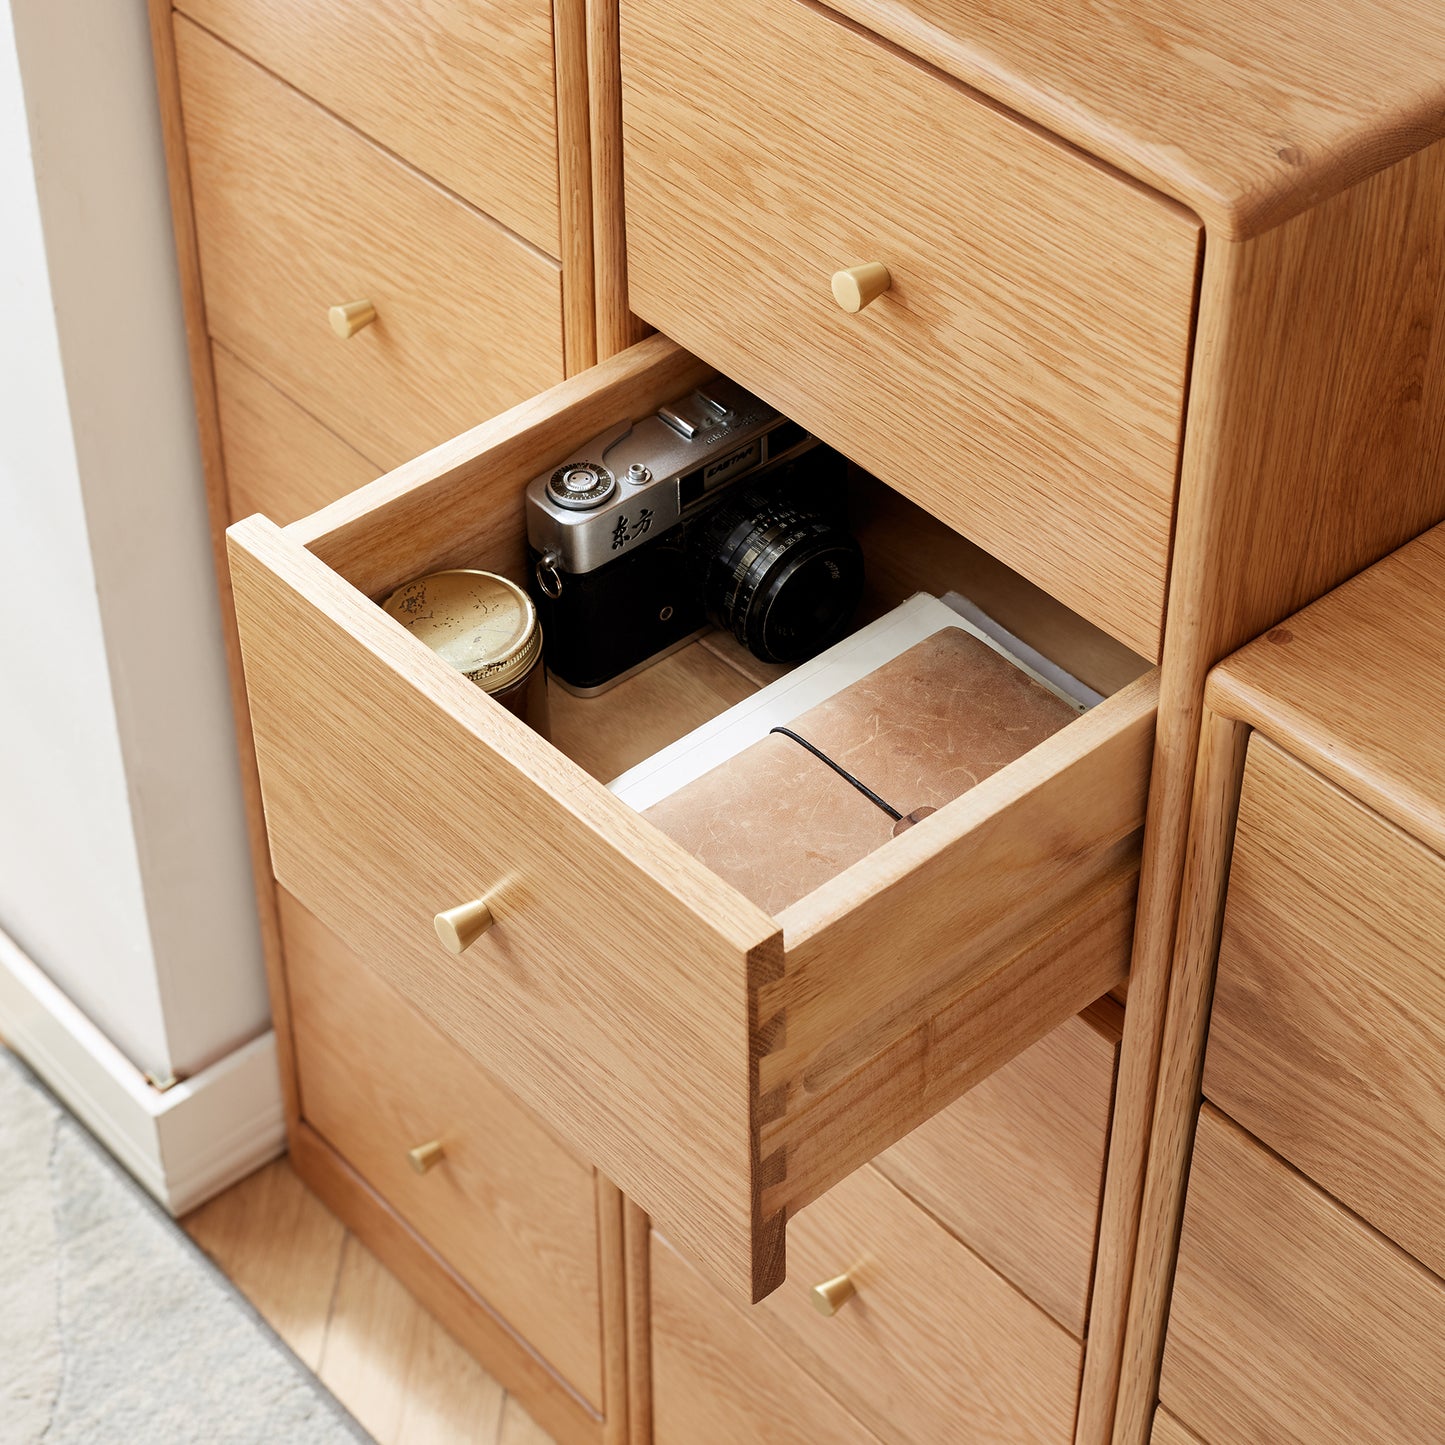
<point x="580" y="486"/>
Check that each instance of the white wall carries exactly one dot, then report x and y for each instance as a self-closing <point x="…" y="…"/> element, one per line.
<point x="123" y="864"/>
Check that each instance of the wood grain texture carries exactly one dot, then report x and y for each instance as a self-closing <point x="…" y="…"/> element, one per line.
<point x="705" y="1348"/>
<point x="361" y="732"/>
<point x="296" y="212"/>
<point x="574" y="184"/>
<point x="1313" y="446"/>
<point x="1048" y="826"/>
<point x="863" y="1052"/>
<point x="834" y="1126"/>
<point x="460" y="1312"/>
<point x="612" y="1315"/>
<point x="403" y="1377"/>
<point x="1377" y="642"/>
<point x="934" y="1345"/>
<point x="1242" y="113"/>
<point x="617" y="327"/>
<point x="507" y="1207"/>
<point x="910" y="550"/>
<point x="462" y="90"/>
<point x="279" y="459"/>
<point x="606" y="735"/>
<point x="461" y="503"/>
<point x="1293" y="1321"/>
<point x="1024" y="376"/>
<point x="637" y="1239"/>
<point x="291" y="1279"/>
<point x="203" y="386"/>
<point x="1213" y="813"/>
<point x="1327" y="1039"/>
<point x="1168" y="1431"/>
<point x="1015" y="1169"/>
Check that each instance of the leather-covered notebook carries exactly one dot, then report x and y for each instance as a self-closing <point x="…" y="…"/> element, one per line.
<point x="777" y="821"/>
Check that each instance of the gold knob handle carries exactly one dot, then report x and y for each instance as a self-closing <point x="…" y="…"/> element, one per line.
<point x="460" y="927"/>
<point x="854" y="288"/>
<point x="830" y="1296"/>
<point x="425" y="1155"/>
<point x="347" y="319"/>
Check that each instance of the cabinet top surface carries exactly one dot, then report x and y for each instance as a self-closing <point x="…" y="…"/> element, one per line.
<point x="1248" y="111"/>
<point x="1354" y="686"/>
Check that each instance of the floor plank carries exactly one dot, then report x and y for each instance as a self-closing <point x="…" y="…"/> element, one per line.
<point x="281" y="1247"/>
<point x="394" y="1367"/>
<point x="347" y="1317"/>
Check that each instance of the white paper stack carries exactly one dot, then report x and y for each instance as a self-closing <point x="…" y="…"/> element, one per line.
<point x="814" y="682"/>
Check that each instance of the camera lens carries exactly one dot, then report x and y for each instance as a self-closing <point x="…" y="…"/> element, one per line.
<point x="783" y="578"/>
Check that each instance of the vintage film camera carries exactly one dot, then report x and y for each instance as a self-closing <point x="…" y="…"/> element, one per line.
<point x="716" y="509"/>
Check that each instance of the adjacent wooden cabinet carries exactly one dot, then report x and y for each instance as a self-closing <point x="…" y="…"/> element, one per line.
<point x="1150" y="357"/>
<point x="1303" y="1071"/>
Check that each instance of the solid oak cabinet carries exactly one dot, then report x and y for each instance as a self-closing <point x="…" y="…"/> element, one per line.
<point x="1303" y="1060"/>
<point x="1128" y="319"/>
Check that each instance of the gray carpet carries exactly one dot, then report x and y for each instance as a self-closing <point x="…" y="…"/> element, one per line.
<point x="114" y="1327"/>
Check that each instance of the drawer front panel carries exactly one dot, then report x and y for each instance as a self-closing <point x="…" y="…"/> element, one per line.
<point x="933" y="1337"/>
<point x="463" y="89"/>
<point x="1024" y="376"/>
<point x="1292" y="1321"/>
<point x="1016" y="1167"/>
<point x="716" y="1379"/>
<point x="279" y="459"/>
<point x="1328" y="1033"/>
<point x="645" y="1010"/>
<point x="506" y="1205"/>
<point x="296" y="213"/>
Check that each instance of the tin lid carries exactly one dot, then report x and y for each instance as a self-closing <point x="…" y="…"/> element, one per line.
<point x="482" y="624"/>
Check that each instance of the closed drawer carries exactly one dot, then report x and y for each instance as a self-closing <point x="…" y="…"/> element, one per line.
<point x="1015" y="1168"/>
<point x="934" y="1345"/>
<point x="1024" y="376"/>
<point x="463" y="89"/>
<point x="295" y="213"/>
<point x="279" y="459"/>
<point x="508" y="1208"/>
<point x="725" y="1067"/>
<point x="1328" y="1033"/>
<point x="716" y="1380"/>
<point x="1292" y="1321"/>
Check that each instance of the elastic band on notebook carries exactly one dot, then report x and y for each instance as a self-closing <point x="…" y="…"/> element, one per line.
<point x="842" y="773"/>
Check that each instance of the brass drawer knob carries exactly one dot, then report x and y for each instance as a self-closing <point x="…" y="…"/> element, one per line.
<point x="349" y="318"/>
<point x="854" y="288"/>
<point x="460" y="927"/>
<point x="830" y="1296"/>
<point x="425" y="1155"/>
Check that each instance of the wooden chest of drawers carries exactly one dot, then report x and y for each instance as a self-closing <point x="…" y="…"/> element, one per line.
<point x="1307" y="1302"/>
<point x="1155" y="383"/>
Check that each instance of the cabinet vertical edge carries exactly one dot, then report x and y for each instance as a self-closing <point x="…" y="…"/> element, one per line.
<point x="203" y="384"/>
<point x="1218" y="778"/>
<point x="1314" y="444"/>
<point x="612" y="1266"/>
<point x="574" y="184"/>
<point x="617" y="327"/>
<point x="637" y="1237"/>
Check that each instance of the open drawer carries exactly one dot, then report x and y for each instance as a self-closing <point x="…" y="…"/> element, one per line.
<point x="725" y="1067"/>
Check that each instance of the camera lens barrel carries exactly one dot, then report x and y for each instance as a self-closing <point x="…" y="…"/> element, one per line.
<point x="784" y="578"/>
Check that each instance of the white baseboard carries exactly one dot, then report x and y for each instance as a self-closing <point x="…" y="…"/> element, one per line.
<point x="183" y="1145"/>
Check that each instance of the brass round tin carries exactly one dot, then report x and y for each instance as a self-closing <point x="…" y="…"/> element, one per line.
<point x="483" y="625"/>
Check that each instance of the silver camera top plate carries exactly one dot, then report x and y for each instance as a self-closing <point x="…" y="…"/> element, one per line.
<point x="658" y="467"/>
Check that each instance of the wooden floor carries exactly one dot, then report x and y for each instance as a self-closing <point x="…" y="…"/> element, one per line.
<point x="351" y="1321"/>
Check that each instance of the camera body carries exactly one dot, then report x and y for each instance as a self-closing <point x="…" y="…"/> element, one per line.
<point x="714" y="509"/>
